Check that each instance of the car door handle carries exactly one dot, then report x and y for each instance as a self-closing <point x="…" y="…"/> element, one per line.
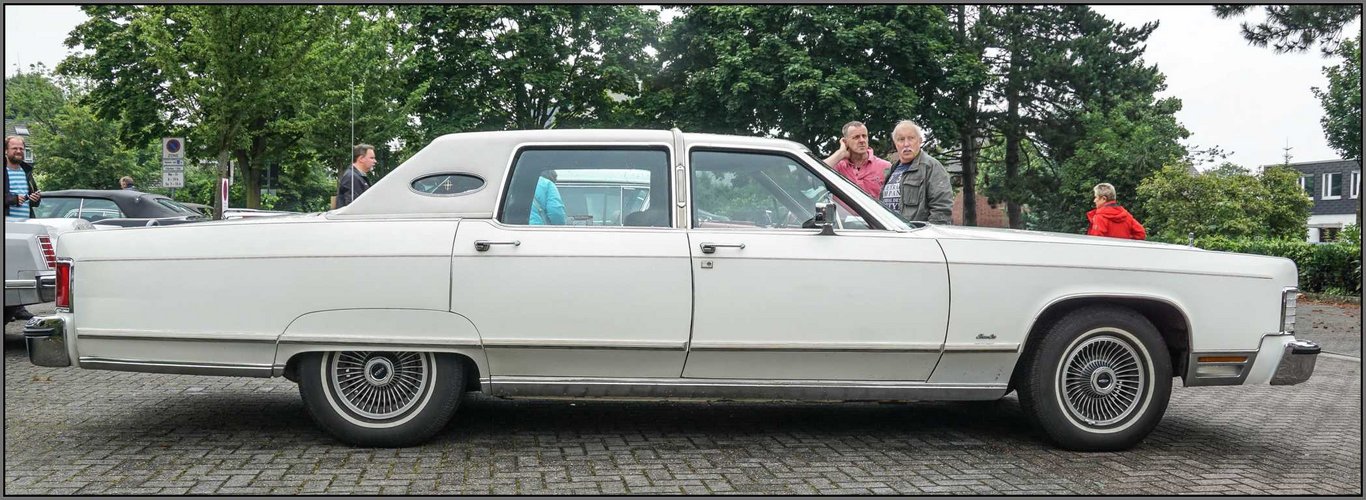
<point x="483" y="245"/>
<point x="711" y="247"/>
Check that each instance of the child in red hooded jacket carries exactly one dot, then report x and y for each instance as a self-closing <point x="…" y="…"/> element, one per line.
<point x="1110" y="219"/>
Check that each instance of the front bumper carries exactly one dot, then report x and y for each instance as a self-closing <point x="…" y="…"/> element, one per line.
<point x="1297" y="363"/>
<point x="45" y="337"/>
<point x="25" y="291"/>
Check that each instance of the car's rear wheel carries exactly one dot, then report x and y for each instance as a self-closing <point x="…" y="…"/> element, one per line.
<point x="1099" y="380"/>
<point x="381" y="398"/>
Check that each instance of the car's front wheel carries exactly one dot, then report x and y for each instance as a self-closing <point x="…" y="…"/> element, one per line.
<point x="1099" y="379"/>
<point x="380" y="398"/>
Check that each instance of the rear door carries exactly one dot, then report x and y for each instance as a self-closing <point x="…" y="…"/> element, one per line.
<point x="559" y="290"/>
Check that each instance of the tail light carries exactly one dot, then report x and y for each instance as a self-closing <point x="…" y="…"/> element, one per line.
<point x="49" y="250"/>
<point x="63" y="301"/>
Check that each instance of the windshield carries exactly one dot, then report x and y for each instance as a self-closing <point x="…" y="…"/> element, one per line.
<point x="852" y="191"/>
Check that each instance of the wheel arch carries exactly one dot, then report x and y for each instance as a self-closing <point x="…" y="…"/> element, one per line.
<point x="1172" y="323"/>
<point x="467" y="363"/>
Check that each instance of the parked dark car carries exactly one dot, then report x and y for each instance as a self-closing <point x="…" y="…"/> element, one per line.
<point x="116" y="207"/>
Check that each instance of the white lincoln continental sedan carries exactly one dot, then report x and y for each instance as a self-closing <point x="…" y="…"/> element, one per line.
<point x="658" y="264"/>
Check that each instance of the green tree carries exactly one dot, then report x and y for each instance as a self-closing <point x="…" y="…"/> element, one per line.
<point x="1056" y="67"/>
<point x="1226" y="201"/>
<point x="230" y="76"/>
<point x="82" y="151"/>
<point x="1295" y="28"/>
<point x="1342" y="105"/>
<point x="33" y="97"/>
<point x="799" y="72"/>
<point x="496" y="67"/>
<point x="1121" y="146"/>
<point x="1342" y="101"/>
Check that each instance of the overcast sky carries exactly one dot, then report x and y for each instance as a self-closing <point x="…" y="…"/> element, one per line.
<point x="1248" y="101"/>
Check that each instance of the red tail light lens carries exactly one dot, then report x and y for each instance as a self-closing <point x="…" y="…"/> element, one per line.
<point x="63" y="301"/>
<point x="49" y="250"/>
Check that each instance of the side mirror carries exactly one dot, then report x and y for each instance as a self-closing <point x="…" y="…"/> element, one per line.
<point x="825" y="218"/>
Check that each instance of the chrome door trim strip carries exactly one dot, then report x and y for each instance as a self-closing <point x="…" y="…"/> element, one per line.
<point x="819" y="390"/>
<point x="584" y="344"/>
<point x="175" y="367"/>
<point x="1103" y="268"/>
<point x="109" y="334"/>
<point x="409" y="343"/>
<point x="815" y="347"/>
<point x="994" y="347"/>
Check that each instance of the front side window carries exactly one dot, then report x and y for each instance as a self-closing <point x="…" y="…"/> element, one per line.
<point x="96" y="209"/>
<point x="1332" y="186"/>
<point x="588" y="187"/>
<point x="760" y="190"/>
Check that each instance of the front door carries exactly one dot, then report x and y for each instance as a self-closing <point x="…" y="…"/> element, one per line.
<point x="774" y="300"/>
<point x="559" y="293"/>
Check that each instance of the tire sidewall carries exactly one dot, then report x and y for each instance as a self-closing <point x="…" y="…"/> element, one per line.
<point x="444" y="386"/>
<point x="1051" y="410"/>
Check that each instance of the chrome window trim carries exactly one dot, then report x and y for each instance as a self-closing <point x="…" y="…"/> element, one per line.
<point x="523" y="146"/>
<point x="484" y="183"/>
<point x="795" y="156"/>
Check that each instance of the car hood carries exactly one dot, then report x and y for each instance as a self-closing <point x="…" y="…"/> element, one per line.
<point x="982" y="233"/>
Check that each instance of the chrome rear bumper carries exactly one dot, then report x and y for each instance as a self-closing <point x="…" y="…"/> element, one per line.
<point x="1297" y="363"/>
<point x="41" y="288"/>
<point x="45" y="337"/>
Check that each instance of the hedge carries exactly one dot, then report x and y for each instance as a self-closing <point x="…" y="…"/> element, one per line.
<point x="1333" y="268"/>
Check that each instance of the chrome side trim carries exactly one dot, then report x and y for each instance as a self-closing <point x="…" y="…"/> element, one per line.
<point x="1218" y="373"/>
<point x="1102" y="268"/>
<point x="809" y="390"/>
<point x="109" y="334"/>
<point x="889" y="347"/>
<point x="583" y="344"/>
<point x="974" y="347"/>
<point x="181" y="368"/>
<point x="28" y="284"/>
<point x="411" y="344"/>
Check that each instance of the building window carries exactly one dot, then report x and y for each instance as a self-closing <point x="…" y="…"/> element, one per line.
<point x="1328" y="234"/>
<point x="1356" y="184"/>
<point x="1307" y="184"/>
<point x="1332" y="186"/>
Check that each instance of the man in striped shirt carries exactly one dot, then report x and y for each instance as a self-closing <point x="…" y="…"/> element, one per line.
<point x="21" y="193"/>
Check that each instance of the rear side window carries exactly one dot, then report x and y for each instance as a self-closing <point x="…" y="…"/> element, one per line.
<point x="588" y="187"/>
<point x="96" y="209"/>
<point x="448" y="184"/>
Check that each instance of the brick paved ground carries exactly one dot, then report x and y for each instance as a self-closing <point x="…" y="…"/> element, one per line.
<point x="94" y="432"/>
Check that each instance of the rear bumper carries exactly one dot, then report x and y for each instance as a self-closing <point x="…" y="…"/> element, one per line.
<point x="45" y="337"/>
<point x="25" y="291"/>
<point x="1297" y="363"/>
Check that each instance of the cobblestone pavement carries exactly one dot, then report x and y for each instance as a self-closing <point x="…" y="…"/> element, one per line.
<point x="71" y="431"/>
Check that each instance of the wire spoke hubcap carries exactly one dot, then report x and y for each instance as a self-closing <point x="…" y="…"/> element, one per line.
<point x="379" y="385"/>
<point x="1102" y="380"/>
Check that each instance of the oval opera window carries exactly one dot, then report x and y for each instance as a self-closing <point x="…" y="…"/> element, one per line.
<point x="448" y="184"/>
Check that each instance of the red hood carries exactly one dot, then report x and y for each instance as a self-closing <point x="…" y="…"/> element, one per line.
<point x="1111" y="212"/>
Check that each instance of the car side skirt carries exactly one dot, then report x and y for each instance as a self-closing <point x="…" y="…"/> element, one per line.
<point x="686" y="388"/>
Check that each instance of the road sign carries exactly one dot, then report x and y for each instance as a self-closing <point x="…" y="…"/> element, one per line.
<point x="172" y="179"/>
<point x="172" y="147"/>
